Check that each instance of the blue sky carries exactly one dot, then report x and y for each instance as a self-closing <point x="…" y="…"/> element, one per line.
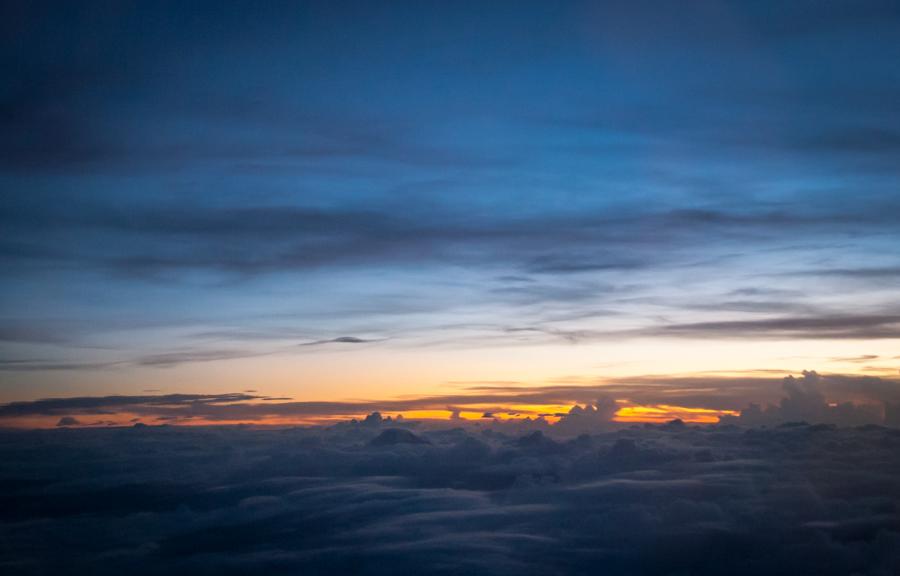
<point x="352" y="199"/>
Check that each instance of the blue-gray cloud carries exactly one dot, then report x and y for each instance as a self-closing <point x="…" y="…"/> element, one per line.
<point x="712" y="500"/>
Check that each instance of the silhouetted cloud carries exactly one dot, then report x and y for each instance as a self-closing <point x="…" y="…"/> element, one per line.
<point x="865" y="397"/>
<point x="103" y="404"/>
<point x="805" y="401"/>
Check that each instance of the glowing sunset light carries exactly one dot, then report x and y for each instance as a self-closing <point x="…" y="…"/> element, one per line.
<point x="357" y="288"/>
<point x="661" y="413"/>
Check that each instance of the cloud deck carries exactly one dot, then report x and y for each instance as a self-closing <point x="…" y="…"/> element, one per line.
<point x="365" y="499"/>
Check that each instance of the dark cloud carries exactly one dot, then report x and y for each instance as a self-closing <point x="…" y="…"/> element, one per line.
<point x="862" y="358"/>
<point x="170" y="359"/>
<point x="259" y="240"/>
<point x="591" y="418"/>
<point x="104" y="404"/>
<point x="863" y="326"/>
<point x="805" y="400"/>
<point x="644" y="500"/>
<point x="30" y="365"/>
<point x="340" y="340"/>
<point x="866" y="274"/>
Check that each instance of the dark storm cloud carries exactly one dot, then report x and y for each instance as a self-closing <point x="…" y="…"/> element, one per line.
<point x="645" y="500"/>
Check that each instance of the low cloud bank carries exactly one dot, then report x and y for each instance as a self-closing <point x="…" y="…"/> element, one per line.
<point x="585" y="408"/>
<point x="391" y="497"/>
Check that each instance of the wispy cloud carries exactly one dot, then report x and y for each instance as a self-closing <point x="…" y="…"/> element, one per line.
<point x="863" y="326"/>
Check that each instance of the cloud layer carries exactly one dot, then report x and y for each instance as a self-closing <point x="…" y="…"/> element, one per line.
<point x="753" y="400"/>
<point x="370" y="498"/>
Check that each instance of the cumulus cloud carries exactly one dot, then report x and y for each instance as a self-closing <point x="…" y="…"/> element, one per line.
<point x="68" y="421"/>
<point x="670" y="499"/>
<point x="589" y="418"/>
<point x="805" y="401"/>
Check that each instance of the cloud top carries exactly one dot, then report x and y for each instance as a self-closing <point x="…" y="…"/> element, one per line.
<point x="648" y="499"/>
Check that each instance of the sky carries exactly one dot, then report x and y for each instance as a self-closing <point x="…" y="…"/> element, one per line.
<point x="447" y="209"/>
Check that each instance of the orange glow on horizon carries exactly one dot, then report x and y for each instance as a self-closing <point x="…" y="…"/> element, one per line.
<point x="551" y="413"/>
<point x="661" y="413"/>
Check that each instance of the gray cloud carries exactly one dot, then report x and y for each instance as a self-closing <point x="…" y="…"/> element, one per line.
<point x="646" y="500"/>
<point x="258" y="240"/>
<point x="868" y="394"/>
<point x="866" y="274"/>
<point x="170" y="359"/>
<point x="886" y="325"/>
<point x="340" y="340"/>
<point x="805" y="400"/>
<point x="104" y="404"/>
<point x="32" y="365"/>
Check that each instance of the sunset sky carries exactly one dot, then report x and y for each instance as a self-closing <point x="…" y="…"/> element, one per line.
<point x="488" y="209"/>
